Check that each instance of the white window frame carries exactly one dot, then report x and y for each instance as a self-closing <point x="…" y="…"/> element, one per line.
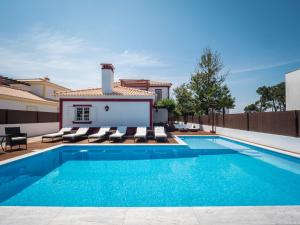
<point x="156" y="94"/>
<point x="86" y="113"/>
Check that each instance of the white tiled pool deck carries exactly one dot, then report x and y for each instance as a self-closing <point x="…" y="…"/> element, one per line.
<point x="260" y="215"/>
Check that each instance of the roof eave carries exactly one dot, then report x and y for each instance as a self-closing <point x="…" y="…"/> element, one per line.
<point x="17" y="98"/>
<point x="107" y="96"/>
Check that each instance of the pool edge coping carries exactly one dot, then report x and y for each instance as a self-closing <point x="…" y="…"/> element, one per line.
<point x="234" y="215"/>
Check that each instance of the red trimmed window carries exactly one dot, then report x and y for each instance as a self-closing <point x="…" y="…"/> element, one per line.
<point x="82" y="114"/>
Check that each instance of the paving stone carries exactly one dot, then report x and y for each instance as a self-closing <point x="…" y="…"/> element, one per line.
<point x="160" y="216"/>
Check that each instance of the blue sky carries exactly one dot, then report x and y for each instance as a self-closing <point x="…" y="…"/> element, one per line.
<point x="162" y="40"/>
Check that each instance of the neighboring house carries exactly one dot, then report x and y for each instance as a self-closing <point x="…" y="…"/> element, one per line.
<point x="160" y="88"/>
<point x="16" y="99"/>
<point x="292" y="85"/>
<point x="28" y="105"/>
<point x="112" y="105"/>
<point x="43" y="87"/>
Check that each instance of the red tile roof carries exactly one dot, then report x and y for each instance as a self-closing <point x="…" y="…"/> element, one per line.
<point x="117" y="90"/>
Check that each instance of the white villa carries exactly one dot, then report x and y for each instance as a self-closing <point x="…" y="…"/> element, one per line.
<point x="123" y="103"/>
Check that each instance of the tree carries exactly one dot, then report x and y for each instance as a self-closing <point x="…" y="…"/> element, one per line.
<point x="184" y="100"/>
<point x="209" y="92"/>
<point x="265" y="96"/>
<point x="279" y="96"/>
<point x="226" y="101"/>
<point x="270" y="98"/>
<point x="167" y="103"/>
<point x="206" y="92"/>
<point x="251" y="108"/>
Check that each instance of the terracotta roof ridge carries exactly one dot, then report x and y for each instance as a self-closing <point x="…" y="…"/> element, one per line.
<point x="135" y="89"/>
<point x="77" y="90"/>
<point x="151" y="82"/>
<point x="160" y="81"/>
<point x="117" y="90"/>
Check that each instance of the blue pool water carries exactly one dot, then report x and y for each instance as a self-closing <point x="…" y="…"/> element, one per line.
<point x="210" y="171"/>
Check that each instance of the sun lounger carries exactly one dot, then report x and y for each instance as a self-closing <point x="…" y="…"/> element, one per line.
<point x="141" y="133"/>
<point x="183" y="127"/>
<point x="177" y="126"/>
<point x="59" y="134"/>
<point x="120" y="133"/>
<point x="194" y="127"/>
<point x="160" y="134"/>
<point x="80" y="133"/>
<point x="100" y="134"/>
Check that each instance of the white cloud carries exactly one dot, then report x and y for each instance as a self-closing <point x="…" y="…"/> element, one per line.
<point x="138" y="59"/>
<point x="66" y="59"/>
<point x="263" y="67"/>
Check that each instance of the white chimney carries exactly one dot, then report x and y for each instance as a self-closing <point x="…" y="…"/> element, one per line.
<point x="107" y="78"/>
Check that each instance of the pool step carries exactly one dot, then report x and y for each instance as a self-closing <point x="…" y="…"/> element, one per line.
<point x="251" y="153"/>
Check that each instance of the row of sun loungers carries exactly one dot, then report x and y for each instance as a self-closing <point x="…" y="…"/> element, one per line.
<point x="187" y="127"/>
<point x="141" y="134"/>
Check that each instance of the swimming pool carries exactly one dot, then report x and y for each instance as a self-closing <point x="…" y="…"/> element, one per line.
<point x="209" y="171"/>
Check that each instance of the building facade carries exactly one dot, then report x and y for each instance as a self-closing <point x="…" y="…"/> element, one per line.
<point x="29" y="105"/>
<point x="160" y="88"/>
<point x="43" y="88"/>
<point x="292" y="89"/>
<point x="111" y="105"/>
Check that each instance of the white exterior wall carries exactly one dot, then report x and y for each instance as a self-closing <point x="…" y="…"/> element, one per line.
<point x="292" y="81"/>
<point x="33" y="129"/>
<point x="18" y="105"/>
<point x="271" y="140"/>
<point x="165" y="91"/>
<point x="160" y="115"/>
<point x="130" y="114"/>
